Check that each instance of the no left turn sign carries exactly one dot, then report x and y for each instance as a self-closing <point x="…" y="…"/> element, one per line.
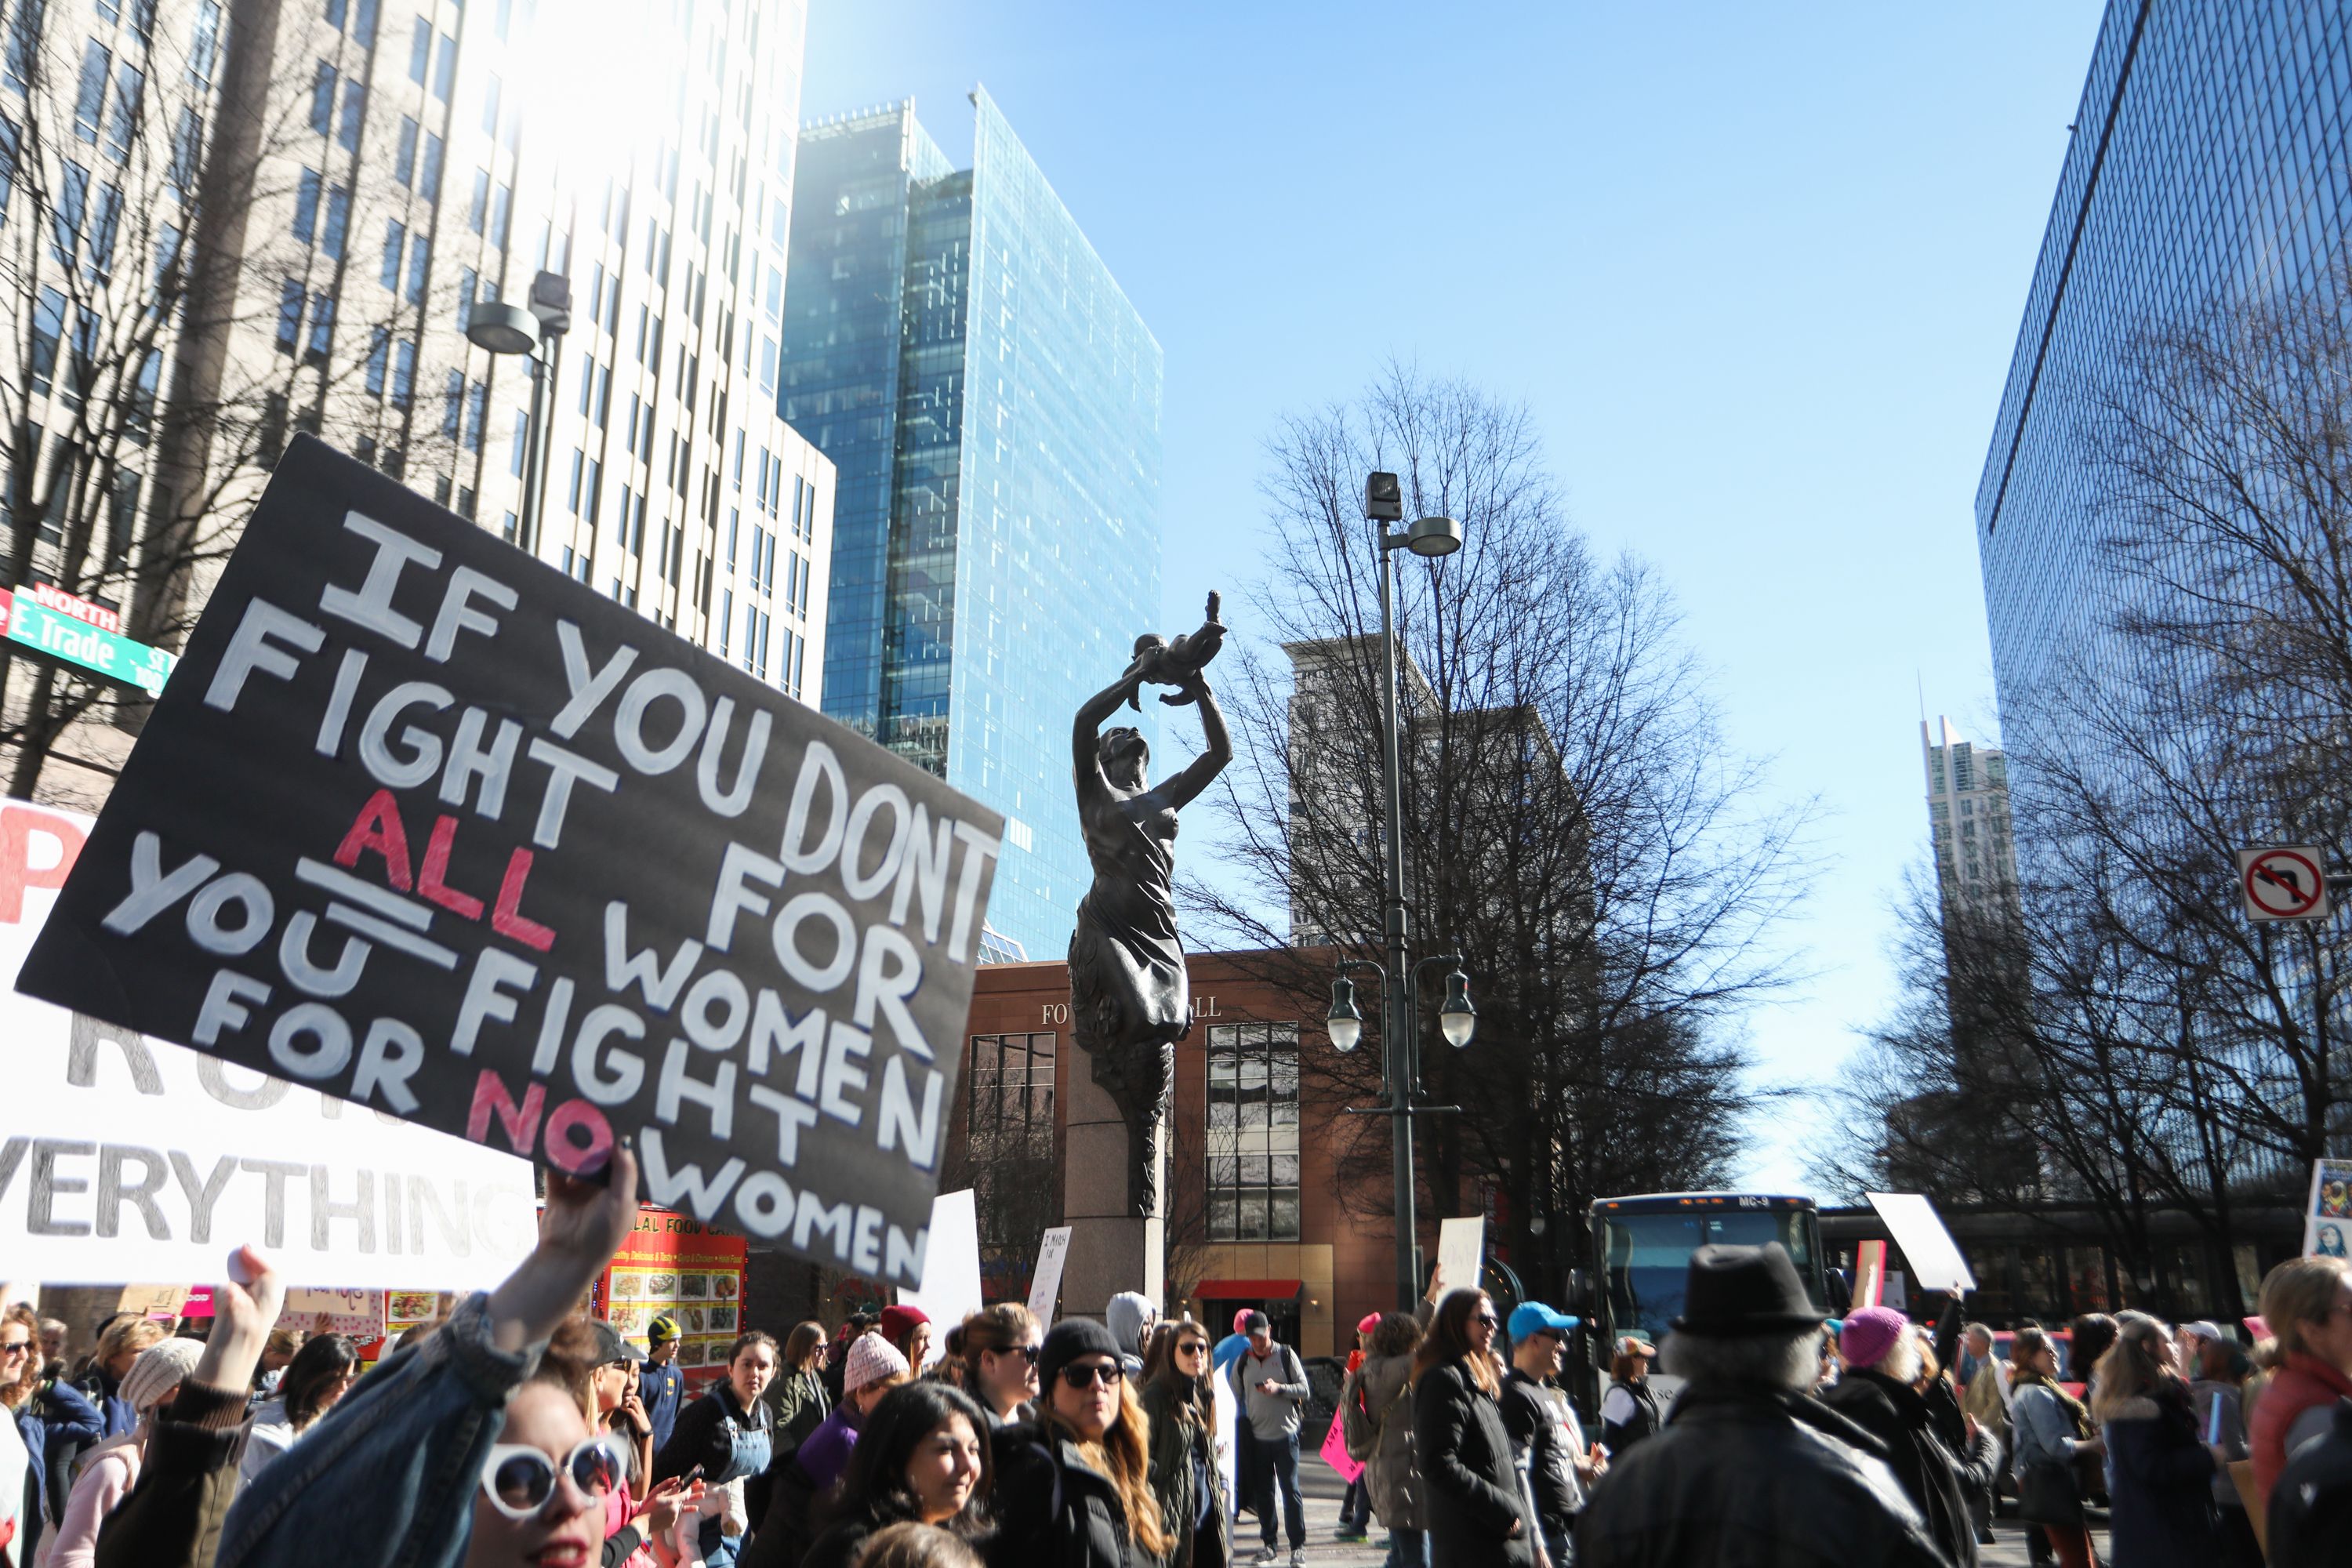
<point x="2287" y="883"/>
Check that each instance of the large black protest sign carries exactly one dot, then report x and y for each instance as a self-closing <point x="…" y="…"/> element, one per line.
<point x="425" y="823"/>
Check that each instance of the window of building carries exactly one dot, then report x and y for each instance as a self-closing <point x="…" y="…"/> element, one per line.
<point x="130" y="88"/>
<point x="354" y="115"/>
<point x="395" y="241"/>
<point x="90" y="97"/>
<point x="445" y="66"/>
<point x="322" y="326"/>
<point x="404" y="162"/>
<point x="322" y="99"/>
<point x="1253" y="1131"/>
<point x="428" y="183"/>
<point x="290" y="296"/>
<point x="203" y="47"/>
<point x="420" y="51"/>
<point x="306" y="207"/>
<point x="1009" y="1121"/>
<point x="339" y="218"/>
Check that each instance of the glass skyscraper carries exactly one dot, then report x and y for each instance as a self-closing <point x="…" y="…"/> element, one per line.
<point x="2209" y="164"/>
<point x="991" y="401"/>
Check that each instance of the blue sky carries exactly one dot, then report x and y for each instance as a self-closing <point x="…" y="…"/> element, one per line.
<point x="1756" y="271"/>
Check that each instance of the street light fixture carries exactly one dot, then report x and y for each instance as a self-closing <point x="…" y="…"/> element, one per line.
<point x="1430" y="538"/>
<point x="1457" y="1017"/>
<point x="1346" y="1024"/>
<point x="498" y="327"/>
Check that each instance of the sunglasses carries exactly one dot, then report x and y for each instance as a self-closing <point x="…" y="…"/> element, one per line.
<point x="1489" y="1318"/>
<point x="1192" y="1347"/>
<point x="519" y="1480"/>
<point x="15" y="1347"/>
<point x="1109" y="1374"/>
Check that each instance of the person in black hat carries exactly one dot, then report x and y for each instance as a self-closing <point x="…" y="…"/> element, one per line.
<point x="1748" y="1469"/>
<point x="1073" y="1489"/>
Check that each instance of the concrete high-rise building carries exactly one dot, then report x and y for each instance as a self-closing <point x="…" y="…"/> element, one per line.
<point x="403" y="162"/>
<point x="1968" y="817"/>
<point x="991" y="400"/>
<point x="2209" y="166"/>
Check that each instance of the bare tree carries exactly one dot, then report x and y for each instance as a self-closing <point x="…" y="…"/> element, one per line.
<point x="188" y="271"/>
<point x="1574" y="826"/>
<point x="2168" y="1057"/>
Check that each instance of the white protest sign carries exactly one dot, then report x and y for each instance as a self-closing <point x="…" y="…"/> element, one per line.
<point x="1461" y="1253"/>
<point x="1045" y="1279"/>
<point x="950" y="1289"/>
<point x="127" y="1158"/>
<point x="1935" y="1258"/>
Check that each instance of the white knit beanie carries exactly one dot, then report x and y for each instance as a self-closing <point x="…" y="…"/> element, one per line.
<point x="871" y="1359"/>
<point x="160" y="1369"/>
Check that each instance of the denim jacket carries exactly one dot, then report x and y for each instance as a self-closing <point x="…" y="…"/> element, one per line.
<point x="387" y="1478"/>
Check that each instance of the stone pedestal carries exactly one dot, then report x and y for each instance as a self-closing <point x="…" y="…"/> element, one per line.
<point x="1111" y="1249"/>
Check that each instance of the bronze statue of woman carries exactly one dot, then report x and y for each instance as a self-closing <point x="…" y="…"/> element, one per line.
<point x="1130" y="999"/>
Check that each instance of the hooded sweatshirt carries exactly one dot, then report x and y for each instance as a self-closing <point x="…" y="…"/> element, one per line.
<point x="1125" y="1317"/>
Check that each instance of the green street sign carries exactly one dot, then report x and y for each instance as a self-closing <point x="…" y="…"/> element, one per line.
<point x="108" y="654"/>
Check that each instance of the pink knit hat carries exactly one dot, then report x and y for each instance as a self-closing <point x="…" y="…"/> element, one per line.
<point x="1371" y="1320"/>
<point x="1241" y="1321"/>
<point x="872" y="1359"/>
<point x="1869" y="1333"/>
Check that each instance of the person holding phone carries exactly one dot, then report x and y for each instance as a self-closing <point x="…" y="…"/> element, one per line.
<point x="1270" y="1383"/>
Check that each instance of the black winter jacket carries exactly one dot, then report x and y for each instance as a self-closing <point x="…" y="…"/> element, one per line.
<point x="1936" y="1480"/>
<point x="1531" y="1415"/>
<point x="2162" y="1473"/>
<point x="1053" y="1509"/>
<point x="1470" y="1475"/>
<point x="1756" y="1477"/>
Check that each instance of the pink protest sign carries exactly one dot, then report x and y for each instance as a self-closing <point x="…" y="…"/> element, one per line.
<point x="1335" y="1452"/>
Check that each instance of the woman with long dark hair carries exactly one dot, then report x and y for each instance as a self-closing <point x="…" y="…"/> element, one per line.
<point x="798" y="1392"/>
<point x="922" y="1457"/>
<point x="1478" y="1512"/>
<point x="1073" y="1489"/>
<point x="1379" y="1433"/>
<point x="1180" y="1401"/>
<point x="2162" y="1514"/>
<point x="2053" y="1432"/>
<point x="321" y="1372"/>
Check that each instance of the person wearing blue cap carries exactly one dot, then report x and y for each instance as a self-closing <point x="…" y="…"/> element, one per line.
<point x="1549" y="1444"/>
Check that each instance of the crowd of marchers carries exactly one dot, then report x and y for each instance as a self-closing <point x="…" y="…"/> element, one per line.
<point x="518" y="1432"/>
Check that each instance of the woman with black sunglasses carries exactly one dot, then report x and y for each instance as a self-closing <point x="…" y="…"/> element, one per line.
<point x="1073" y="1489"/>
<point x="1478" y="1513"/>
<point x="1181" y="1401"/>
<point x="998" y="1346"/>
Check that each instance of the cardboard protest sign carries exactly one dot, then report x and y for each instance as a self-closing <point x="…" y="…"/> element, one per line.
<point x="1461" y="1253"/>
<point x="1935" y="1260"/>
<point x="123" y="1158"/>
<point x="423" y="822"/>
<point x="2327" y="1218"/>
<point x="950" y="1289"/>
<point x="1045" y="1279"/>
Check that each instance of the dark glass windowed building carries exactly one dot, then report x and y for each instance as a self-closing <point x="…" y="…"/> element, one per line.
<point x="2209" y="164"/>
<point x="990" y="402"/>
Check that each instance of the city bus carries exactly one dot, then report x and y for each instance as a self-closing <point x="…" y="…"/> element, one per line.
<point x="1642" y="1248"/>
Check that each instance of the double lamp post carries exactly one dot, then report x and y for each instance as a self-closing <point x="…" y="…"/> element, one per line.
<point x="1399" y="975"/>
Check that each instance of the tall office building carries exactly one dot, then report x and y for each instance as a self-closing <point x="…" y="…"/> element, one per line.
<point x="991" y="400"/>
<point x="2209" y="163"/>
<point x="1968" y="819"/>
<point x="393" y="164"/>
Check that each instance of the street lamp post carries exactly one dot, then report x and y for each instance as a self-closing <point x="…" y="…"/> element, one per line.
<point x="1400" y="977"/>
